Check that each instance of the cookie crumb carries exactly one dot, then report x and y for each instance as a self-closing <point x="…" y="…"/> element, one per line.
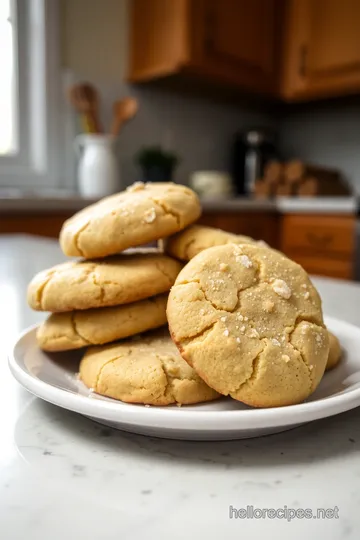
<point x="246" y="318"/>
<point x="286" y="358"/>
<point x="202" y="311"/>
<point x="281" y="288"/>
<point x="223" y="319"/>
<point x="253" y="333"/>
<point x="307" y="295"/>
<point x="240" y="317"/>
<point x="226" y="332"/>
<point x="244" y="260"/>
<point x="224" y="267"/>
<point x="305" y="328"/>
<point x="150" y="215"/>
<point x="147" y="406"/>
<point x="242" y="329"/>
<point x="269" y="306"/>
<point x="238" y="339"/>
<point x="137" y="186"/>
<point x="275" y="342"/>
<point x="311" y="367"/>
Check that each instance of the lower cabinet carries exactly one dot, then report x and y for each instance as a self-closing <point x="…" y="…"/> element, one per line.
<point x="323" y="244"/>
<point x="258" y="225"/>
<point x="38" y="224"/>
<point x="324" y="266"/>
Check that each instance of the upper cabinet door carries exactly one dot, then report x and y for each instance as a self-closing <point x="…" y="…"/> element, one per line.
<point x="334" y="37"/>
<point x="237" y="40"/>
<point x="322" y="48"/>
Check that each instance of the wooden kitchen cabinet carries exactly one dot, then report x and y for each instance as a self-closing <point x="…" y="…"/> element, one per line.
<point x="321" y="49"/>
<point x="258" y="225"/>
<point x="295" y="50"/>
<point x="233" y="42"/>
<point x="323" y="245"/>
<point x="36" y="223"/>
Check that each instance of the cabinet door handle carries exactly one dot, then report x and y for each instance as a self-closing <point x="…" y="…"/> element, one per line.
<point x="303" y="60"/>
<point x="321" y="241"/>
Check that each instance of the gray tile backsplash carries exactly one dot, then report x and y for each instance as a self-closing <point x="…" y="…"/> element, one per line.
<point x="325" y="133"/>
<point x="198" y="130"/>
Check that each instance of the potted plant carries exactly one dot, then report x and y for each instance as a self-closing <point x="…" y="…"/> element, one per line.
<point x="156" y="164"/>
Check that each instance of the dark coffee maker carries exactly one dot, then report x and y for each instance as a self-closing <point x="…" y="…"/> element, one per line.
<point x="251" y="150"/>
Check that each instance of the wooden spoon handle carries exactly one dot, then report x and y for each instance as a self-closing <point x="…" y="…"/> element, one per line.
<point x="116" y="126"/>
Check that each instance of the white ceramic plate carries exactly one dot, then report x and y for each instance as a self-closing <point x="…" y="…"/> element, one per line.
<point x="53" y="377"/>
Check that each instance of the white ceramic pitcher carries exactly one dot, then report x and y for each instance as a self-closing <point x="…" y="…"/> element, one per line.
<point x="98" y="171"/>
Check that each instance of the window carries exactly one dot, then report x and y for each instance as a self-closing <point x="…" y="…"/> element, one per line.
<point x="29" y="94"/>
<point x="7" y="80"/>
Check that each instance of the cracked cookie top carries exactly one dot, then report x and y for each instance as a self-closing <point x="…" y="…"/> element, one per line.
<point x="250" y="322"/>
<point x="143" y="213"/>
<point x="77" y="329"/>
<point x="113" y="281"/>
<point x="147" y="369"/>
<point x="194" y="239"/>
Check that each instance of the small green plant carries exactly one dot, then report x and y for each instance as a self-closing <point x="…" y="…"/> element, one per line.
<point x="156" y="158"/>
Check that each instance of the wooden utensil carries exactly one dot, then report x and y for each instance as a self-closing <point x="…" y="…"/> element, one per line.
<point x="296" y="170"/>
<point x="262" y="189"/>
<point x="123" y="111"/>
<point x="309" y="187"/>
<point x="283" y="190"/>
<point x="85" y="100"/>
<point x="273" y="172"/>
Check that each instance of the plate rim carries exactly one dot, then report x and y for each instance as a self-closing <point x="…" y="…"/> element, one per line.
<point x="165" y="418"/>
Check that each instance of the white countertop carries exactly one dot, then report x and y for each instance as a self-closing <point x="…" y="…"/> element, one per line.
<point x="62" y="201"/>
<point x="62" y="476"/>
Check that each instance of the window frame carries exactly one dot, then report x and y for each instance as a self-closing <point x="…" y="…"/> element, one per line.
<point x="38" y="87"/>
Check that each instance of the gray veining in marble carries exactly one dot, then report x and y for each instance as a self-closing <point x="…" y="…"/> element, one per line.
<point x="64" y="476"/>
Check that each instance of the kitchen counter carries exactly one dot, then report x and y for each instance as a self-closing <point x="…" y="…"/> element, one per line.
<point x="64" y="476"/>
<point x="13" y="201"/>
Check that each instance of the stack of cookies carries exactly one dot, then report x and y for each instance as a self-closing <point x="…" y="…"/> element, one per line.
<point x="245" y="321"/>
<point x="109" y="295"/>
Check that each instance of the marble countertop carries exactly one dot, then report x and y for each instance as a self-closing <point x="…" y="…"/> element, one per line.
<point x="64" y="476"/>
<point x="63" y="201"/>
